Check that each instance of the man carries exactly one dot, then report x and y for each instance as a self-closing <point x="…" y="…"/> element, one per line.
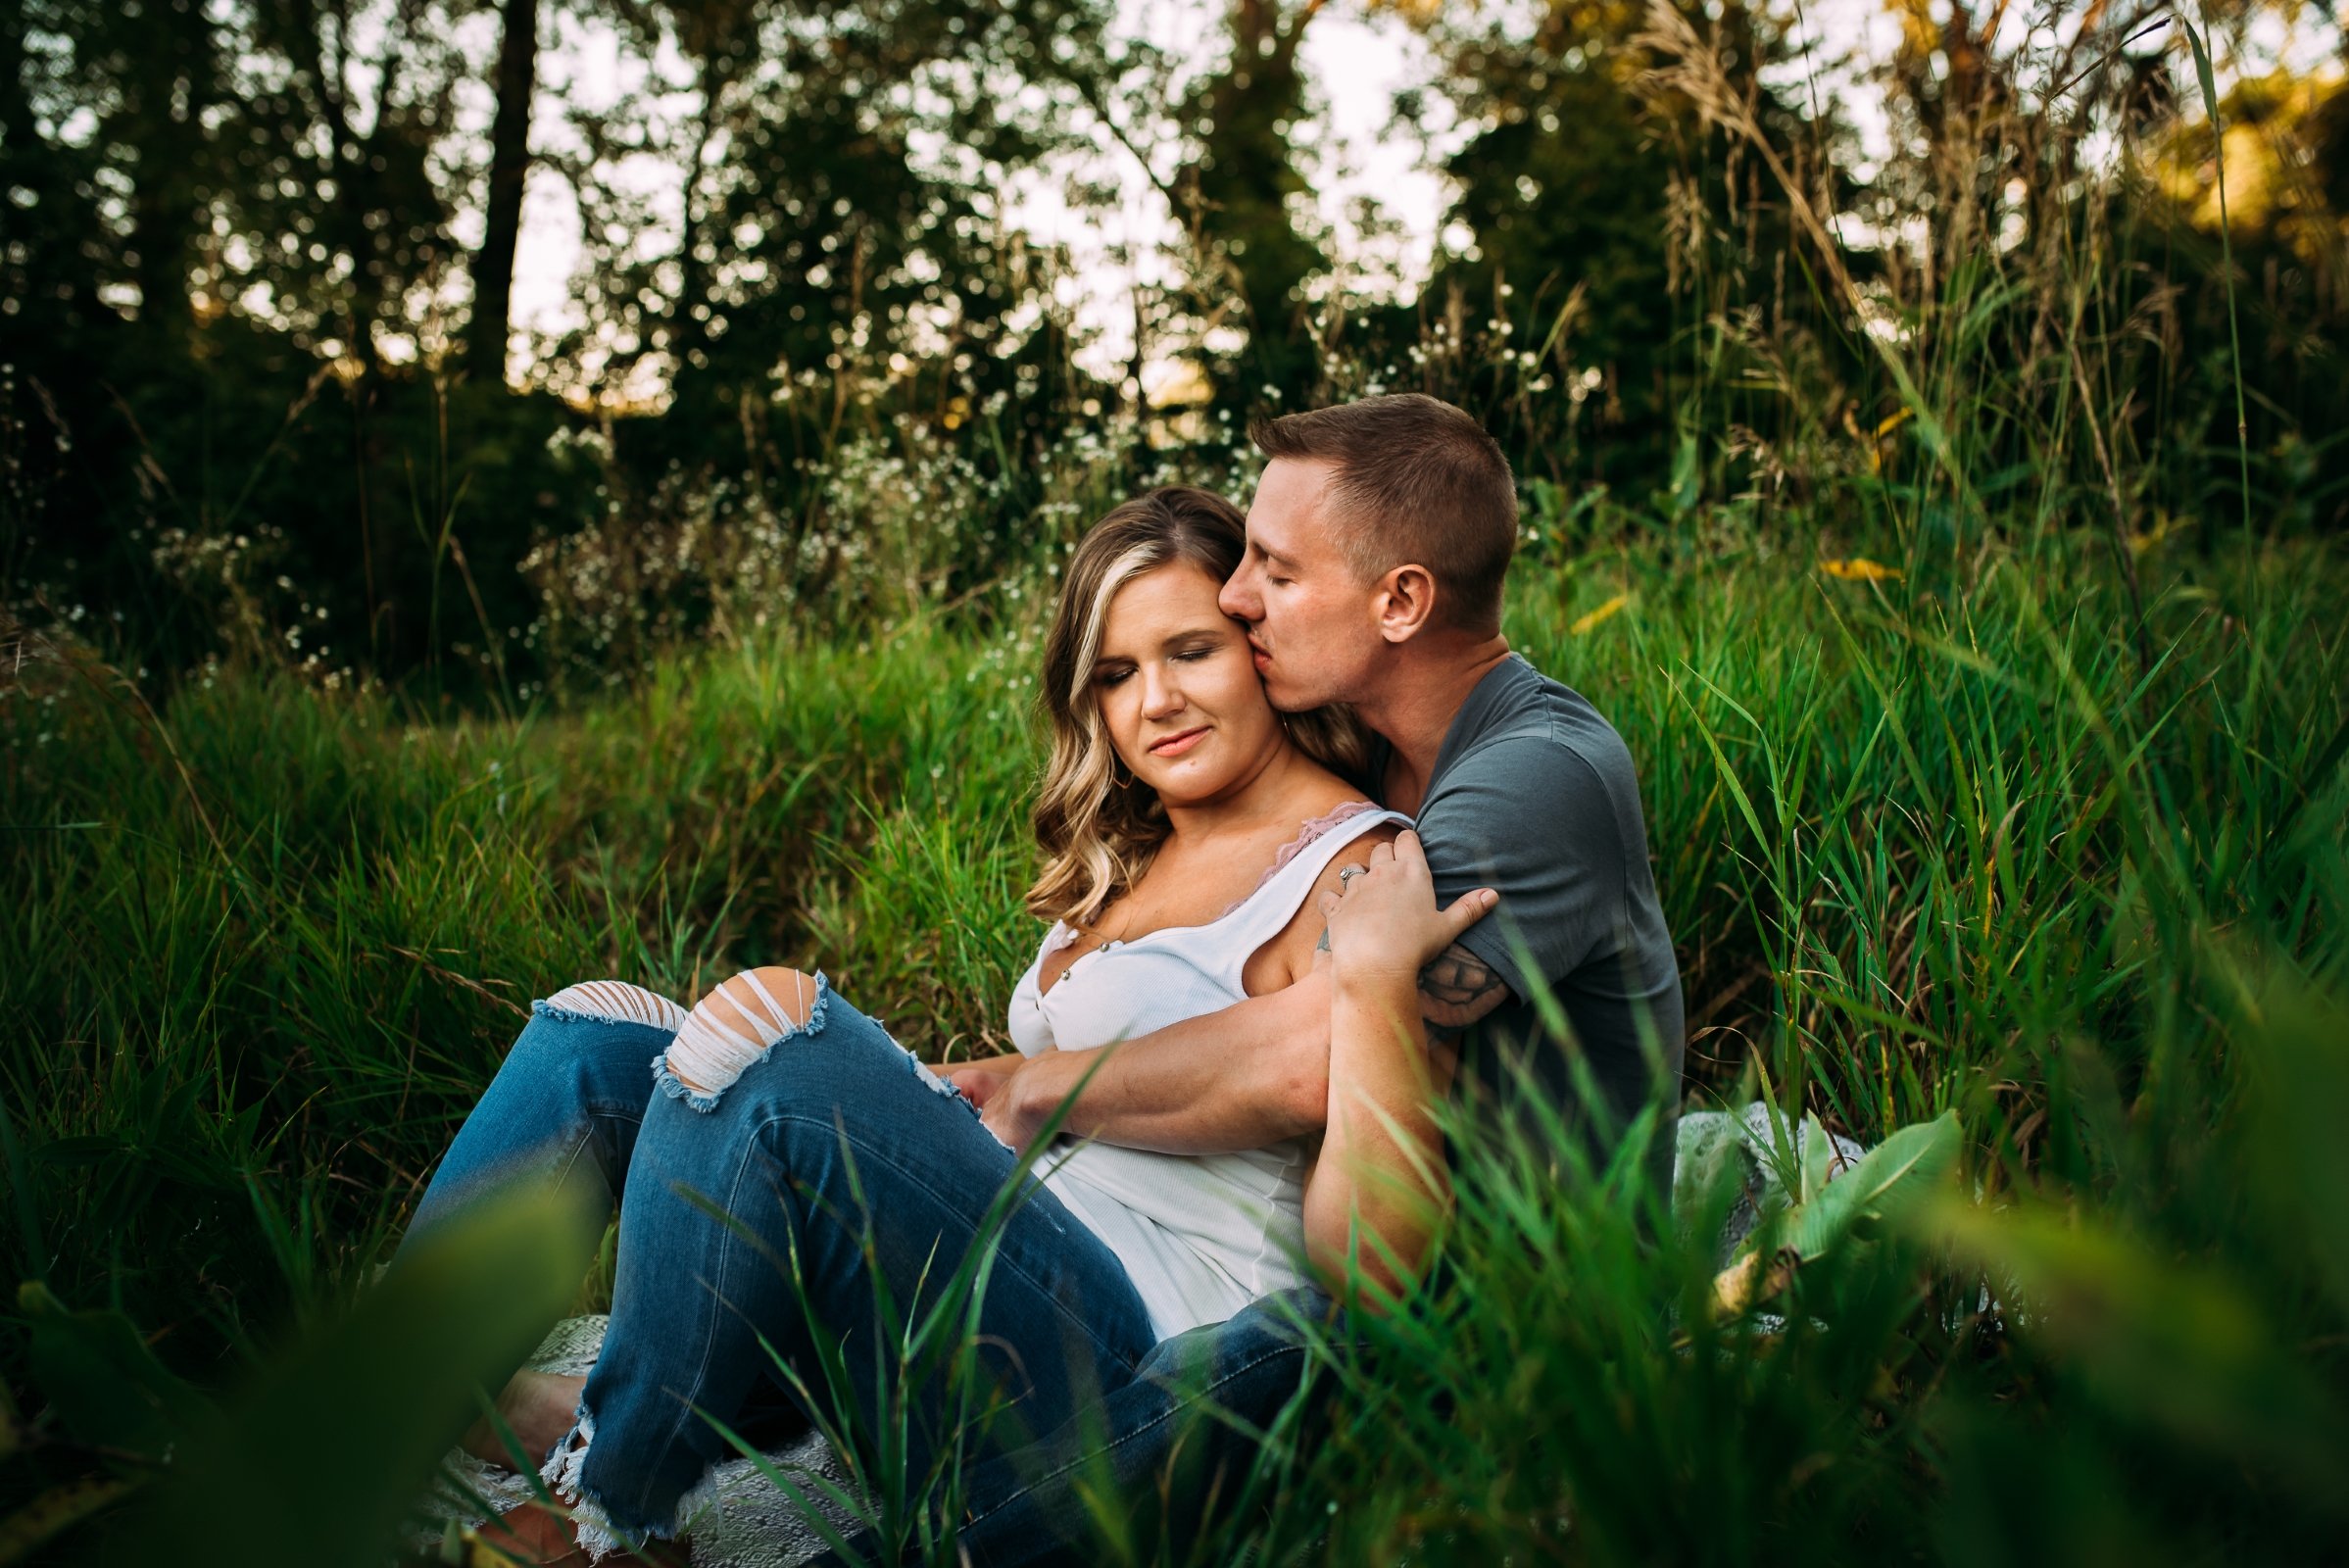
<point x="1379" y="540"/>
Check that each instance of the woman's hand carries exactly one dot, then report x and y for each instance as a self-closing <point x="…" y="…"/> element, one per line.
<point x="1385" y="922"/>
<point x="978" y="1081"/>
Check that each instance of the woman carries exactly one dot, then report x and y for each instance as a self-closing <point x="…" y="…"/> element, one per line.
<point x="1189" y="833"/>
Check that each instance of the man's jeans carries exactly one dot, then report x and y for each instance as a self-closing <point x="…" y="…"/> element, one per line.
<point x="837" y="1139"/>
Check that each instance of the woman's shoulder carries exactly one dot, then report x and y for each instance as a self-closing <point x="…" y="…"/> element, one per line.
<point x="1331" y="816"/>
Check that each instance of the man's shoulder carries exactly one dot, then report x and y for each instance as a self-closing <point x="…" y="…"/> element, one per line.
<point x="1530" y="732"/>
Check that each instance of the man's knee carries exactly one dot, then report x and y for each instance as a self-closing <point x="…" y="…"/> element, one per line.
<point x="734" y="1026"/>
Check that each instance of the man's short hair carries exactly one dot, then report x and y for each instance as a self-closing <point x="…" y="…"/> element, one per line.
<point x="1412" y="480"/>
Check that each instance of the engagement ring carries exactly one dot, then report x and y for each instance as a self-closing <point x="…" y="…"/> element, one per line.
<point x="1346" y="873"/>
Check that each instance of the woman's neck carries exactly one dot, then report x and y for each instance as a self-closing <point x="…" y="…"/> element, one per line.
<point x="1267" y="793"/>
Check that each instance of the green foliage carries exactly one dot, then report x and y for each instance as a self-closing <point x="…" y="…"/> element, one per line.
<point x="326" y="1450"/>
<point x="1930" y="843"/>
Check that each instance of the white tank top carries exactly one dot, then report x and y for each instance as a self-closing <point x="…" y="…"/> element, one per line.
<point x="1201" y="1234"/>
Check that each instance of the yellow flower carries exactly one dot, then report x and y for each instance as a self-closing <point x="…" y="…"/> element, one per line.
<point x="1604" y="613"/>
<point x="1859" y="568"/>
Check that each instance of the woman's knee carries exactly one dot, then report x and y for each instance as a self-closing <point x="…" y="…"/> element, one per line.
<point x="615" y="1002"/>
<point x="603" y="1032"/>
<point x="735" y="1026"/>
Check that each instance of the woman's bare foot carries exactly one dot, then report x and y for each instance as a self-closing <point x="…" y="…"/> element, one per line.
<point x="540" y="1408"/>
<point x="534" y="1535"/>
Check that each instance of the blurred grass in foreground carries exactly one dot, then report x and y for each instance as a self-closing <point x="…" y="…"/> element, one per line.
<point x="1933" y="839"/>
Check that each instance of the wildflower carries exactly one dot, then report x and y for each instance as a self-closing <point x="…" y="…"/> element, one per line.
<point x="1586" y="623"/>
<point x="1858" y="569"/>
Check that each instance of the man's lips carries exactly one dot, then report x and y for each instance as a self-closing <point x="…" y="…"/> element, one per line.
<point x="1176" y="744"/>
<point x="1255" y="651"/>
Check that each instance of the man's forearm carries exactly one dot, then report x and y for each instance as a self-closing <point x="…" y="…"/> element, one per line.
<point x="1252" y="1074"/>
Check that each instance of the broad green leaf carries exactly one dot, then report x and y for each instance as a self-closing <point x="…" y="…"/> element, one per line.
<point x="105" y="1386"/>
<point x="1895" y="1174"/>
<point x="2299" y="1067"/>
<point x="337" y="1440"/>
<point x="2174" y="1343"/>
<point x="1814" y="1152"/>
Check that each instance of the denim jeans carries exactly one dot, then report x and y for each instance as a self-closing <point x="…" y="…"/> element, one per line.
<point x="837" y="1130"/>
<point x="1176" y="1444"/>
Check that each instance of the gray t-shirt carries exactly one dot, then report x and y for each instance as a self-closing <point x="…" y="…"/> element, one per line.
<point x="1534" y="795"/>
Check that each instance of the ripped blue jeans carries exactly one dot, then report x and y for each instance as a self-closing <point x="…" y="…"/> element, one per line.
<point x="834" y="1132"/>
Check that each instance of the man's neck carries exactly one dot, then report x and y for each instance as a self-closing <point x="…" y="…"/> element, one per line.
<point x="1421" y="695"/>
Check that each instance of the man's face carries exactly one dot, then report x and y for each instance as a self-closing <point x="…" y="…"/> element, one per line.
<point x="1310" y="619"/>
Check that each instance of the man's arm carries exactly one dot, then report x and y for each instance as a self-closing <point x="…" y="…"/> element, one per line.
<point x="1455" y="990"/>
<point x="1252" y="1074"/>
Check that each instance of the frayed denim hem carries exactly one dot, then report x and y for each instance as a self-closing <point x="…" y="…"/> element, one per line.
<point x="667" y="1080"/>
<point x="547" y="1009"/>
<point x="593" y="1524"/>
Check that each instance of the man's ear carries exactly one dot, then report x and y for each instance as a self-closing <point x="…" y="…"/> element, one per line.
<point x="1404" y="601"/>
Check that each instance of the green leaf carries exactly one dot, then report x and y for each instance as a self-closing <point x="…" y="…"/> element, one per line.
<point x="338" y="1438"/>
<point x="1815" y="1155"/>
<point x="105" y="1386"/>
<point x="2292" y="1046"/>
<point x="1886" y="1184"/>
<point x="2164" y="1341"/>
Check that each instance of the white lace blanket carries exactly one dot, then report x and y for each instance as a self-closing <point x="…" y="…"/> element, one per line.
<point x="741" y="1520"/>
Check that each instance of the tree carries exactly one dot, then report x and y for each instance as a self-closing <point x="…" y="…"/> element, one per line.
<point x="1244" y="177"/>
<point x="516" y="83"/>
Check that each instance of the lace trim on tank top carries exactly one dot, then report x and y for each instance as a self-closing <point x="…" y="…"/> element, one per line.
<point x="1062" y="933"/>
<point x="1315" y="827"/>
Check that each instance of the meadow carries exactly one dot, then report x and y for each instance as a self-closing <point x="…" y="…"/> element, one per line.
<point x="1933" y="833"/>
<point x="1968" y="584"/>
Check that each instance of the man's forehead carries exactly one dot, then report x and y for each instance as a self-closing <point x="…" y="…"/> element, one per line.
<point x="1286" y="514"/>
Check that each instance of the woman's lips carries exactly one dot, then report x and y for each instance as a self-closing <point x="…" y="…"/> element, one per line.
<point x="1177" y="744"/>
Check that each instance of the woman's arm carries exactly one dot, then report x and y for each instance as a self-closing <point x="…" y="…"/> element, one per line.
<point x="980" y="1077"/>
<point x="1380" y="1188"/>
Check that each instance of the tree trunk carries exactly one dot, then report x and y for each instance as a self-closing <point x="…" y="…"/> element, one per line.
<point x="508" y="163"/>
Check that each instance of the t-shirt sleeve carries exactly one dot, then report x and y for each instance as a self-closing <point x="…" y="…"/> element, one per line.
<point x="1532" y="820"/>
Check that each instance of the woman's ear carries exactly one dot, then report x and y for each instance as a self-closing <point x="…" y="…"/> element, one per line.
<point x="1404" y="601"/>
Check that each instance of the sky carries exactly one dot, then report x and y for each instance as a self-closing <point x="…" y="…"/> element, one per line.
<point x="1357" y="59"/>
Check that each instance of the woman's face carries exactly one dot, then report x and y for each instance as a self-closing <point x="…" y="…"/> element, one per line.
<point x="1177" y="690"/>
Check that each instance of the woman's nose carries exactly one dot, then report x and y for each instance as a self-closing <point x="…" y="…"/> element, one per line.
<point x="1161" y="693"/>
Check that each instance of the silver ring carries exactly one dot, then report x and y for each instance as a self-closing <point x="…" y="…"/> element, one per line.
<point x="1346" y="873"/>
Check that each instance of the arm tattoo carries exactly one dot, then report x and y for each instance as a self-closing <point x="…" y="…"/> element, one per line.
<point x="1456" y="990"/>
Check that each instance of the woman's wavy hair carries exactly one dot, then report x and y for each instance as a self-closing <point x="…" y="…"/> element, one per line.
<point x="1098" y="834"/>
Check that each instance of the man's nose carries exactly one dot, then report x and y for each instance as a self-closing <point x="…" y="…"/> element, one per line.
<point x="1237" y="598"/>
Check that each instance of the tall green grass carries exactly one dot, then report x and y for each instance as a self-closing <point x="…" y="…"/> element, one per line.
<point x="1931" y="842"/>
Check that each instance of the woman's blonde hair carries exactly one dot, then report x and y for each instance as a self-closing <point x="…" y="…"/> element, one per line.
<point x="1098" y="832"/>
